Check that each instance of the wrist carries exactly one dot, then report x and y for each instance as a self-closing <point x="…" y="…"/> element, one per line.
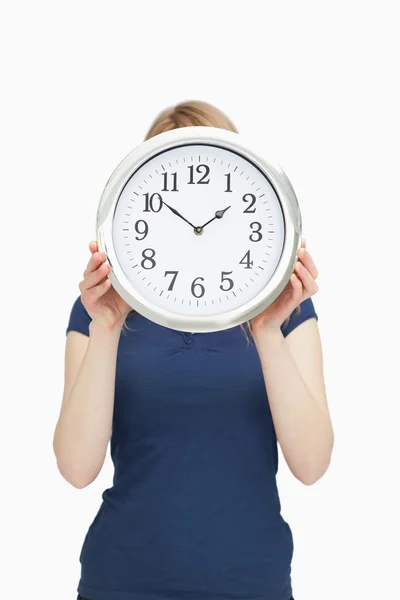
<point x="97" y="327"/>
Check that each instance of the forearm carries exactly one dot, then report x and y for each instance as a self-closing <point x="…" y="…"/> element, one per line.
<point x="302" y="426"/>
<point x="85" y="423"/>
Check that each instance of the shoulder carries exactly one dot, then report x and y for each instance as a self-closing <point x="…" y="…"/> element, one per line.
<point x="79" y="318"/>
<point x="305" y="311"/>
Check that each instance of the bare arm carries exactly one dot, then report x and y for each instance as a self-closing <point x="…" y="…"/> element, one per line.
<point x="83" y="429"/>
<point x="293" y="374"/>
<point x="84" y="426"/>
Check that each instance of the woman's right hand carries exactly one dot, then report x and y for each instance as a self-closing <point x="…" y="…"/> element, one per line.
<point x="98" y="296"/>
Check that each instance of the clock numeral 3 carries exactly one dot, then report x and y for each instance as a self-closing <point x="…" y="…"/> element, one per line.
<point x="246" y="260"/>
<point x="223" y="279"/>
<point x="198" y="288"/>
<point x="252" y="199"/>
<point x="205" y="169"/>
<point x="143" y="233"/>
<point x="174" y="182"/>
<point x="256" y="232"/>
<point x="148" y="261"/>
<point x="175" y="275"/>
<point x="152" y="203"/>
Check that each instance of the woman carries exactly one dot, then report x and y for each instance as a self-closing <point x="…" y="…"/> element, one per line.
<point x="194" y="420"/>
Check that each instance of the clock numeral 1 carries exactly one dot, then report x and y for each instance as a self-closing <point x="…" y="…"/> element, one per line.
<point x="199" y="287"/>
<point x="175" y="275"/>
<point x="174" y="182"/>
<point x="148" y="259"/>
<point x="143" y="233"/>
<point x="151" y="203"/>
<point x="223" y="279"/>
<point x="228" y="182"/>
<point x="246" y="260"/>
<point x="256" y="232"/>
<point x="201" y="169"/>
<point x="252" y="199"/>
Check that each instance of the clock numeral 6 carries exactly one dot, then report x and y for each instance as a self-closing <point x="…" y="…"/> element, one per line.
<point x="246" y="260"/>
<point x="223" y="279"/>
<point x="175" y="275"/>
<point x="256" y="232"/>
<point x="252" y="199"/>
<point x="205" y="169"/>
<point x="148" y="261"/>
<point x="199" y="287"/>
<point x="144" y="232"/>
<point x="152" y="203"/>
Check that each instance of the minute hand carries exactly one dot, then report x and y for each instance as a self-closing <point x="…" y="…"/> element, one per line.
<point x="218" y="215"/>
<point x="178" y="214"/>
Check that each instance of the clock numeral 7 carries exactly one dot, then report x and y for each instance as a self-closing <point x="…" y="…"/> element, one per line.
<point x="175" y="275"/>
<point x="205" y="169"/>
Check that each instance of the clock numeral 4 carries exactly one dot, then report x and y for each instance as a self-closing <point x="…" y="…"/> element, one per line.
<point x="174" y="276"/>
<point x="226" y="279"/>
<point x="246" y="260"/>
<point x="148" y="261"/>
<point x="174" y="182"/>
<point x="252" y="199"/>
<point x="203" y="170"/>
<point x="152" y="203"/>
<point x="256" y="227"/>
<point x="144" y="232"/>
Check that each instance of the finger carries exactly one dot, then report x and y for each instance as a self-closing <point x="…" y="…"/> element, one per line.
<point x="297" y="288"/>
<point x="93" y="294"/>
<point x="94" y="278"/>
<point x="307" y="280"/>
<point x="93" y="246"/>
<point x="95" y="261"/>
<point x="306" y="259"/>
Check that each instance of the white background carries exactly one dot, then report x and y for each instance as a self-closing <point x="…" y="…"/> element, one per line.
<point x="317" y="83"/>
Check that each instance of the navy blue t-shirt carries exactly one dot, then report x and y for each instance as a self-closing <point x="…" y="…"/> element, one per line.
<point x="194" y="511"/>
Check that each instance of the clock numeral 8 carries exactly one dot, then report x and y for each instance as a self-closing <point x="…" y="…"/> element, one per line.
<point x="148" y="259"/>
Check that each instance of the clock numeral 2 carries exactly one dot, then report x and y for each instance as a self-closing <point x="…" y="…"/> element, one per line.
<point x="151" y="202"/>
<point x="148" y="259"/>
<point x="252" y="199"/>
<point x="174" y="182"/>
<point x="205" y="169"/>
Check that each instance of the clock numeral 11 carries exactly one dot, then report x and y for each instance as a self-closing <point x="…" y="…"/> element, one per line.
<point x="174" y="182"/>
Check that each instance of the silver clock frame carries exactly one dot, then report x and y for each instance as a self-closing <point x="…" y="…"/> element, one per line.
<point x="229" y="141"/>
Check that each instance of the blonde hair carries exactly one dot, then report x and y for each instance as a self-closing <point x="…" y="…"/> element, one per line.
<point x="188" y="114"/>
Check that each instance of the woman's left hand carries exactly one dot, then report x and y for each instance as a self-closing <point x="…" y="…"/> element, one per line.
<point x="300" y="286"/>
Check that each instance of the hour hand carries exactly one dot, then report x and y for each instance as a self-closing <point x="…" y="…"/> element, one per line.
<point x="218" y="215"/>
<point x="178" y="214"/>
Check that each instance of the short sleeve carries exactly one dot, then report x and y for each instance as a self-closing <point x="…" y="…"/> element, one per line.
<point x="79" y="318"/>
<point x="307" y="311"/>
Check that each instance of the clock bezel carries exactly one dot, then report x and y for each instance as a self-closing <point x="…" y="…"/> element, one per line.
<point x="227" y="140"/>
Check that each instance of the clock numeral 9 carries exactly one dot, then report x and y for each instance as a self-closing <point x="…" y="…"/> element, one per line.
<point x="256" y="232"/>
<point x="174" y="182"/>
<point x="223" y="279"/>
<point x="246" y="260"/>
<point x="143" y="233"/>
<point x="153" y="203"/>
<point x="199" y="287"/>
<point x="205" y="169"/>
<point x="148" y="261"/>
<point x="252" y="199"/>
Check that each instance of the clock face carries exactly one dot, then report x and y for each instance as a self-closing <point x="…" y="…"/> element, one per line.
<point x="198" y="230"/>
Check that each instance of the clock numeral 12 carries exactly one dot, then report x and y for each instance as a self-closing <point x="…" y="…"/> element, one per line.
<point x="205" y="169"/>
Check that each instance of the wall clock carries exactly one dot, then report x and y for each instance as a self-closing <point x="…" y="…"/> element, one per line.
<point x="200" y="230"/>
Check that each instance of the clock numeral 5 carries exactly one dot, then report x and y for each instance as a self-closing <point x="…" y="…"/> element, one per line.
<point x="152" y="203"/>
<point x="252" y="199"/>
<point x="223" y="279"/>
<point x="256" y="232"/>
<point x="148" y="258"/>
<point x="143" y="233"/>
<point x="246" y="260"/>
<point x="174" y="182"/>
<point x="205" y="169"/>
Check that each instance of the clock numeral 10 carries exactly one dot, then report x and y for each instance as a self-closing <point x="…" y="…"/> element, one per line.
<point x="152" y="203"/>
<point x="174" y="182"/>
